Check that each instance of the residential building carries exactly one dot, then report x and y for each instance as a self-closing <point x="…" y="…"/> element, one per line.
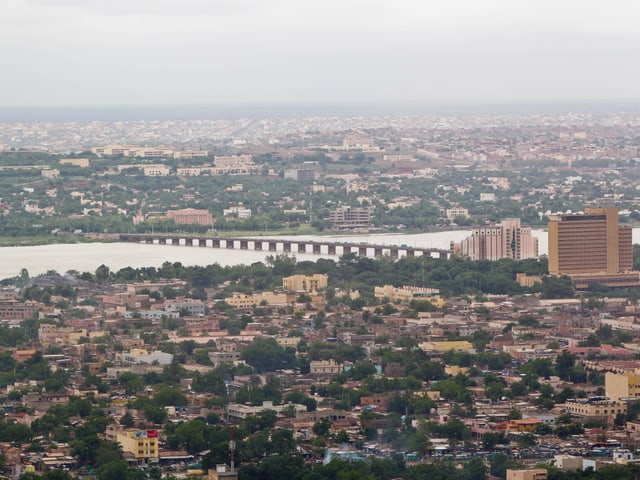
<point x="406" y="294"/>
<point x="453" y="213"/>
<point x="142" y="444"/>
<point x="191" y="216"/>
<point x="509" y="239"/>
<point x="190" y="154"/>
<point x="247" y="300"/>
<point x="595" y="407"/>
<point x="140" y="356"/>
<point x="305" y="283"/>
<point x="528" y="474"/>
<point x="222" y="472"/>
<point x="325" y="367"/>
<point x="346" y="218"/>
<point x="76" y="162"/>
<point x="193" y="306"/>
<point x="13" y="309"/>
<point x="303" y="175"/>
<point x="625" y="384"/>
<point x="238" y="211"/>
<point x="238" y="411"/>
<point x="156" y="171"/>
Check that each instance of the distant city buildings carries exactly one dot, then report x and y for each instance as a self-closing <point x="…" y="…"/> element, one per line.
<point x="237" y="211"/>
<point x="359" y="142"/>
<point x="406" y="294"/>
<point x="455" y="212"/>
<point x="509" y="239"/>
<point x="147" y="152"/>
<point x="304" y="175"/>
<point x="592" y="248"/>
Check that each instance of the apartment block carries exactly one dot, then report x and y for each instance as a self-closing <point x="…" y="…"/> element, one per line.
<point x="305" y="283"/>
<point x="619" y="385"/>
<point x="509" y="239"/>
<point x="347" y="218"/>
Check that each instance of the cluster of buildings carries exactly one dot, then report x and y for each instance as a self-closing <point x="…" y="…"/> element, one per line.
<point x="288" y="315"/>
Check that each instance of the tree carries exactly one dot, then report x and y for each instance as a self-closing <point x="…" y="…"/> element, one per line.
<point x="322" y="427"/>
<point x="102" y="274"/>
<point x="265" y="355"/>
<point x="127" y="420"/>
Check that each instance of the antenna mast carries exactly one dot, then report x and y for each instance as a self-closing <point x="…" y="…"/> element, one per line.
<point x="232" y="448"/>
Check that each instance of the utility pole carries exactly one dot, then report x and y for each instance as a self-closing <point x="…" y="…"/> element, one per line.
<point x="232" y="449"/>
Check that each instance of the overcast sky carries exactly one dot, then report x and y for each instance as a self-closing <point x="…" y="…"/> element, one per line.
<point x="95" y="52"/>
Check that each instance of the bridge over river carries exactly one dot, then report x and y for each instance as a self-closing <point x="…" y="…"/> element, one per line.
<point x="318" y="247"/>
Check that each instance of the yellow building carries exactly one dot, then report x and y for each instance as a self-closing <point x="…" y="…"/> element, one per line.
<point x="459" y="345"/>
<point x="142" y="444"/>
<point x="622" y="385"/>
<point x="407" y="293"/>
<point x="528" y="474"/>
<point x="245" y="300"/>
<point x="222" y="472"/>
<point x="76" y="162"/>
<point x="305" y="283"/>
<point x="523" y="425"/>
<point x="455" y="370"/>
<point x="595" y="407"/>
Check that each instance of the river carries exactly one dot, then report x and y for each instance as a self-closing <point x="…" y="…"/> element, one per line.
<point x="86" y="257"/>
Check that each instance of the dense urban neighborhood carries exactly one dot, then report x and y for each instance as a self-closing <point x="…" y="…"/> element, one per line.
<point x="484" y="361"/>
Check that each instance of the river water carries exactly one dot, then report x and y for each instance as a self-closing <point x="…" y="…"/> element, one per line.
<point x="86" y="257"/>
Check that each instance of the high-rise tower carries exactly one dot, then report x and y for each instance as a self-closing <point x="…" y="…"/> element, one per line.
<point x="591" y="247"/>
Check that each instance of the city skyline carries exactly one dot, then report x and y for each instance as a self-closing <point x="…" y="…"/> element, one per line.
<point x="68" y="52"/>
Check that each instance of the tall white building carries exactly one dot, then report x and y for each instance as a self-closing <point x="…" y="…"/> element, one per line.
<point x="509" y="239"/>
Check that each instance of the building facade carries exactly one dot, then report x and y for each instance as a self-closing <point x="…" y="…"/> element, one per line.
<point x="305" y="283"/>
<point x="590" y="242"/>
<point x="528" y="474"/>
<point x="591" y="247"/>
<point x="509" y="239"/>
<point x="347" y="218"/>
<point x="190" y="216"/>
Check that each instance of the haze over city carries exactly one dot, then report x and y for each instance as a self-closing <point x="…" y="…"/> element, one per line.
<point x="92" y="52"/>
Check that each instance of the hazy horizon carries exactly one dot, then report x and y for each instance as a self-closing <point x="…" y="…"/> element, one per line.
<point x="161" y="52"/>
<point x="203" y="111"/>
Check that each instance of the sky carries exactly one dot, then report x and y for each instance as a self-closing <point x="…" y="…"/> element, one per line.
<point x="119" y="52"/>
